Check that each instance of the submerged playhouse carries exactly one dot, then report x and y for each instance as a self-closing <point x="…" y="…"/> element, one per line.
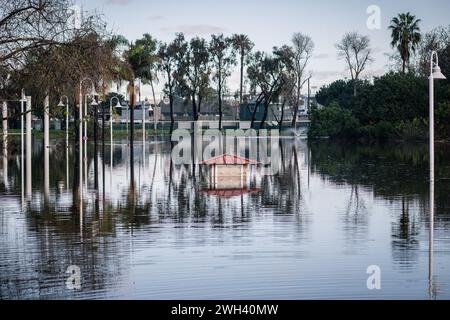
<point x="228" y="175"/>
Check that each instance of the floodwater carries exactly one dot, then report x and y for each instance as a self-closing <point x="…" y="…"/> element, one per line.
<point x="310" y="231"/>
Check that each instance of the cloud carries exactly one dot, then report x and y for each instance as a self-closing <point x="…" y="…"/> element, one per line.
<point x="195" y="29"/>
<point x="119" y="2"/>
<point x="322" y="56"/>
<point x="324" y="75"/>
<point x="377" y="50"/>
<point x="156" y="18"/>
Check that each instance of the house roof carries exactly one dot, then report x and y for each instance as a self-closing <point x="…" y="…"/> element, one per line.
<point x="230" y="193"/>
<point x="229" y="159"/>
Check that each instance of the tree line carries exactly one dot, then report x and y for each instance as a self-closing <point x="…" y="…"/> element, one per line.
<point x="44" y="51"/>
<point x="52" y="60"/>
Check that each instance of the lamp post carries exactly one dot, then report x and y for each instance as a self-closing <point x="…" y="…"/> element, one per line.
<point x="111" y="135"/>
<point x="60" y="105"/>
<point x="435" y="74"/>
<point x="23" y="100"/>
<point x="111" y="115"/>
<point x="81" y="139"/>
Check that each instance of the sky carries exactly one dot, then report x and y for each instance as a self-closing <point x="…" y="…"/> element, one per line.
<point x="272" y="23"/>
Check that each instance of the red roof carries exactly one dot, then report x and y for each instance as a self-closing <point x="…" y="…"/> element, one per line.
<point x="230" y="193"/>
<point x="228" y="159"/>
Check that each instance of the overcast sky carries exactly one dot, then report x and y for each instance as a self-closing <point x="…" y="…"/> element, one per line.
<point x="271" y="23"/>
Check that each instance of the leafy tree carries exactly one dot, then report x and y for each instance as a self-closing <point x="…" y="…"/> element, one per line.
<point x="169" y="61"/>
<point x="145" y="60"/>
<point x="333" y="121"/>
<point x="194" y="71"/>
<point x="223" y="59"/>
<point x="268" y="73"/>
<point x="141" y="58"/>
<point x="394" y="106"/>
<point x="243" y="45"/>
<point x="58" y="70"/>
<point x="405" y="36"/>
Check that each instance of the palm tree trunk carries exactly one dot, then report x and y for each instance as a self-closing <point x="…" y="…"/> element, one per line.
<point x="132" y="105"/>
<point x="194" y="108"/>
<point x="241" y="100"/>
<point x="220" y="107"/>
<point x="172" y="118"/>
<point x="266" y="111"/>
<point x="297" y="102"/>
<point x="220" y="97"/>
<point x="280" y="124"/>
<point x="154" y="103"/>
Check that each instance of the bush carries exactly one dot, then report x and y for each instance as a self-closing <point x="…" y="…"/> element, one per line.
<point x="333" y="122"/>
<point x="395" y="106"/>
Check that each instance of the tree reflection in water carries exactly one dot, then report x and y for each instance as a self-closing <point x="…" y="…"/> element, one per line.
<point x="143" y="205"/>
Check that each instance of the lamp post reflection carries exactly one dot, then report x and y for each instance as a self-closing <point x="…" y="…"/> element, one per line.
<point x="432" y="290"/>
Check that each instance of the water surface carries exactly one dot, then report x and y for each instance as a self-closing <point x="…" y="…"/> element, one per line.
<point x="311" y="231"/>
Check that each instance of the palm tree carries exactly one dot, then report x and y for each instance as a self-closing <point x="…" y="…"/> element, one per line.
<point x="405" y="36"/>
<point x="243" y="45"/>
<point x="140" y="60"/>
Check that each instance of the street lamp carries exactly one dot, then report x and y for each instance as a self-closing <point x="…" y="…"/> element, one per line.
<point x="111" y="114"/>
<point x="435" y="74"/>
<point x="61" y="104"/>
<point x="95" y="94"/>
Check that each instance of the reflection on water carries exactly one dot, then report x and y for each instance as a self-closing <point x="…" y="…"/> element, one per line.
<point x="148" y="231"/>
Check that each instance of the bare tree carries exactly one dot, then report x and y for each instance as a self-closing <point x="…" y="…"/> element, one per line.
<point x="31" y="24"/>
<point x="303" y="47"/>
<point x="355" y="49"/>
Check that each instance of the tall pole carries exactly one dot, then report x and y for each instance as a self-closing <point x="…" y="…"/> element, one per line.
<point x="5" y="122"/>
<point x="431" y="247"/>
<point x="309" y="94"/>
<point x="431" y="128"/>
<point x="67" y="123"/>
<point x="28" y="149"/>
<point x="435" y="74"/>
<point x="143" y="121"/>
<point x="67" y="142"/>
<point x="22" y="169"/>
<point x="46" y="122"/>
<point x="5" y="142"/>
<point x="85" y="138"/>
<point x="80" y="137"/>
<point x="111" y="121"/>
<point x="111" y="128"/>
<point x="46" y="147"/>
